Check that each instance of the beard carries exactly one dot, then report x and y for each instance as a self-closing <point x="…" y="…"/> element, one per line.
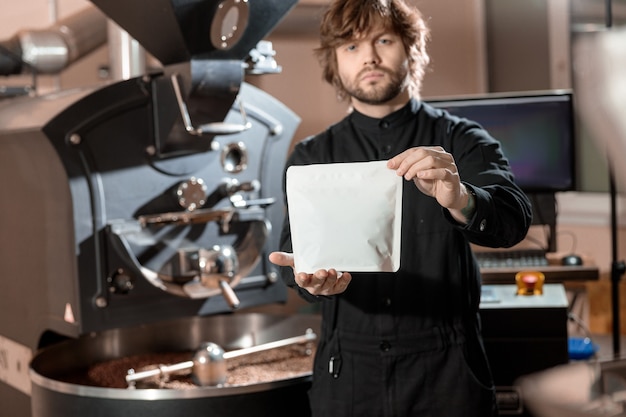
<point x="379" y="92"/>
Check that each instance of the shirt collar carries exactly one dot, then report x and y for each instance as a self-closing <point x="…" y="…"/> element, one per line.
<point x="395" y="119"/>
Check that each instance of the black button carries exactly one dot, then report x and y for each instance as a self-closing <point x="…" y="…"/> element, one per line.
<point x="387" y="302"/>
<point x="385" y="346"/>
<point x="384" y="124"/>
<point x="386" y="149"/>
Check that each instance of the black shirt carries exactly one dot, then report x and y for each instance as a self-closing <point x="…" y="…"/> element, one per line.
<point x="438" y="280"/>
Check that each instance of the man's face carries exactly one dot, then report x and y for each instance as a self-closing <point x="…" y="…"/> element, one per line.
<point x="373" y="68"/>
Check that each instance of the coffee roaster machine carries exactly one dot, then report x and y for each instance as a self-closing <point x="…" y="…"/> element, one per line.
<point x="140" y="213"/>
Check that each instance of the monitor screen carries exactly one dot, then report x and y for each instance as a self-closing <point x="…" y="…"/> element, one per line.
<point x="536" y="133"/>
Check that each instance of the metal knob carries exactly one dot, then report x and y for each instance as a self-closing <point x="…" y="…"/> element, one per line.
<point x="191" y="194"/>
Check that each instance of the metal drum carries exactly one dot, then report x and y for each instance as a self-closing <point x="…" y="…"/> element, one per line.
<point x="53" y="396"/>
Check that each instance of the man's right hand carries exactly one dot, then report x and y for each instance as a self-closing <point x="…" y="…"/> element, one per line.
<point x="322" y="282"/>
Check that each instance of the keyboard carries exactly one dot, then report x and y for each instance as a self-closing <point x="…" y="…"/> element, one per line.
<point x="521" y="258"/>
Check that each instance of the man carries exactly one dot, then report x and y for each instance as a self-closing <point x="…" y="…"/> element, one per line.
<point x="405" y="343"/>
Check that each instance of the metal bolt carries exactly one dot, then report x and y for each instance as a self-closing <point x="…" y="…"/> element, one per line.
<point x="272" y="277"/>
<point x="101" y="302"/>
<point x="75" y="139"/>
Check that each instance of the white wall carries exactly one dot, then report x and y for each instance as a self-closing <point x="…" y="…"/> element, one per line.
<point x="34" y="14"/>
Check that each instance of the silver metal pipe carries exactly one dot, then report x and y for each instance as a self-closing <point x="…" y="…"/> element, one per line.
<point x="127" y="59"/>
<point x="50" y="50"/>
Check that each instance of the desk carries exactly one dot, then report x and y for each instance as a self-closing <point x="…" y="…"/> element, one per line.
<point x="553" y="274"/>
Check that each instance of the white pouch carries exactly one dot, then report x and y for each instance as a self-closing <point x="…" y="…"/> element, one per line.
<point x="346" y="216"/>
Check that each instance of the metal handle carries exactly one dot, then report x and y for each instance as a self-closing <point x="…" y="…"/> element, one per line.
<point x="164" y="370"/>
<point x="308" y="336"/>
<point x="198" y="216"/>
<point x="216" y="128"/>
<point x="229" y="294"/>
<point x="160" y="371"/>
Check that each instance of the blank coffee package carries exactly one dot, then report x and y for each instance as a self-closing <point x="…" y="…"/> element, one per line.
<point x="345" y="216"/>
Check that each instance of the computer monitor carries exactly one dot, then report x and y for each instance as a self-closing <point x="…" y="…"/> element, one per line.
<point x="536" y="132"/>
